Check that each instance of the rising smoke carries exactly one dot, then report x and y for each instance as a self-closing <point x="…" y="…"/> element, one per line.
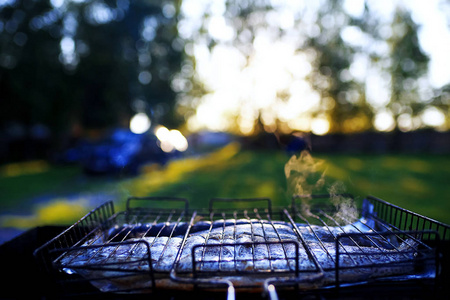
<point x="306" y="176"/>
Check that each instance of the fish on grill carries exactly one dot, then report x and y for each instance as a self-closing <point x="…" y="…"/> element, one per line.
<point x="237" y="249"/>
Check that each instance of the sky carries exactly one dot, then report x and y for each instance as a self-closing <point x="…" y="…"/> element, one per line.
<point x="434" y="34"/>
<point x="241" y="89"/>
<point x="434" y="37"/>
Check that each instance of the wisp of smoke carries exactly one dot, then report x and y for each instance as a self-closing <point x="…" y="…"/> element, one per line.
<point x="346" y="210"/>
<point x="305" y="176"/>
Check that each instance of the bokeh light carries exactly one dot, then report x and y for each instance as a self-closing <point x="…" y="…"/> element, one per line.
<point x="433" y="117"/>
<point x="171" y="140"/>
<point x="384" y="121"/>
<point x="252" y="76"/>
<point x="140" y="123"/>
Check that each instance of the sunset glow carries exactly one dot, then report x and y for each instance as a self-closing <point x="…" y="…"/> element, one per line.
<point x="267" y="80"/>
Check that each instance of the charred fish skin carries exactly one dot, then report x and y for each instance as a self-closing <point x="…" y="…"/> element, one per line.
<point x="131" y="231"/>
<point x="245" y="246"/>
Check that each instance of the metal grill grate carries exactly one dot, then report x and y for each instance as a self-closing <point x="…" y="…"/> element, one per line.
<point x="148" y="247"/>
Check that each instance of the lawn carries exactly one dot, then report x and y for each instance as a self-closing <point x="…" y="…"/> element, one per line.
<point x="417" y="182"/>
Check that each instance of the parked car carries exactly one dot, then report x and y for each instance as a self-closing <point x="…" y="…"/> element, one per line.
<point x="119" y="151"/>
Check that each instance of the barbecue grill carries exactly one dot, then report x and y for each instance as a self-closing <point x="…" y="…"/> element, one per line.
<point x="115" y="253"/>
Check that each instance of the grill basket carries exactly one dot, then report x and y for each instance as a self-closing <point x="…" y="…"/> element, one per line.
<point x="84" y="258"/>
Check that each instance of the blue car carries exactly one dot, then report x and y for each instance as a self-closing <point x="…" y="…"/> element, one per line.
<point x="121" y="151"/>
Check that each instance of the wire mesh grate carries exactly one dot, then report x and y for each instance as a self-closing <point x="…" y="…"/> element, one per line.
<point x="145" y="247"/>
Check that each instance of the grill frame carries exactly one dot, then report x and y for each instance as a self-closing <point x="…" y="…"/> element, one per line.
<point x="104" y="217"/>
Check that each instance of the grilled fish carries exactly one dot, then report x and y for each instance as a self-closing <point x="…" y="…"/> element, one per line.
<point x="128" y="254"/>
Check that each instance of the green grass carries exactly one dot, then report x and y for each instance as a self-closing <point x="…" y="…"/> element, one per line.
<point x="419" y="183"/>
<point x="243" y="175"/>
<point x="20" y="183"/>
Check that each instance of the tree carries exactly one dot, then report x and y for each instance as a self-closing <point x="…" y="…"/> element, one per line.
<point x="408" y="64"/>
<point x="89" y="62"/>
<point x="343" y="99"/>
<point x="335" y="40"/>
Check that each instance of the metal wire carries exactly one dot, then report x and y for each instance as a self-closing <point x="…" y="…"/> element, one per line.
<point x="277" y="233"/>
<point x="94" y="232"/>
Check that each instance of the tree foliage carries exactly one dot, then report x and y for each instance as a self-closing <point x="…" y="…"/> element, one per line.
<point x="94" y="63"/>
<point x="378" y="47"/>
<point x="342" y="96"/>
<point x="91" y="63"/>
<point x="408" y="64"/>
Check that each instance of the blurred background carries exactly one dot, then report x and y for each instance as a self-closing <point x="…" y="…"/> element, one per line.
<point x="104" y="99"/>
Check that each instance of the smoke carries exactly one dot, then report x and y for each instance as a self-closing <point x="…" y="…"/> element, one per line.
<point x="345" y="207"/>
<point x="303" y="174"/>
<point x="306" y="176"/>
